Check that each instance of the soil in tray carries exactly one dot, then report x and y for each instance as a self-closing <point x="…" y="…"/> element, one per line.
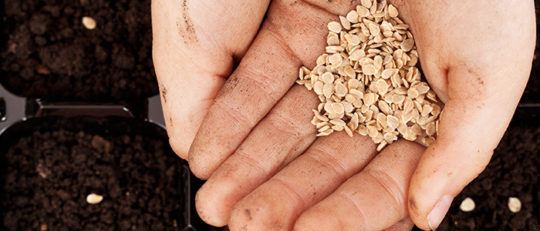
<point x="532" y="91"/>
<point x="47" y="52"/>
<point x="48" y="175"/>
<point x="514" y="171"/>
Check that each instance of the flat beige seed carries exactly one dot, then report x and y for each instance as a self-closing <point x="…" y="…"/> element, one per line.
<point x="338" y="108"/>
<point x="89" y="23"/>
<point x="392" y="121"/>
<point x="514" y="204"/>
<point x="407" y="45"/>
<point x="467" y="205"/>
<point x="327" y="77"/>
<point x="357" y="55"/>
<point x="392" y="11"/>
<point x="374" y="29"/>
<point x="93" y="198"/>
<point x="352" y="39"/>
<point x="340" y="89"/>
<point x="331" y="39"/>
<point x="328" y="90"/>
<point x="352" y="16"/>
<point x="387" y="73"/>
<point x="318" y="87"/>
<point x="369" y="99"/>
<point x="335" y="60"/>
<point x="345" y="23"/>
<point x="381" y="86"/>
<point x="348" y="131"/>
<point x="366" y="3"/>
<point x="362" y="11"/>
<point x="369" y="69"/>
<point x="381" y="146"/>
<point x="334" y="27"/>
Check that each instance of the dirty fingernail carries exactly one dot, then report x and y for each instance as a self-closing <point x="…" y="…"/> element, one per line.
<point x="438" y="212"/>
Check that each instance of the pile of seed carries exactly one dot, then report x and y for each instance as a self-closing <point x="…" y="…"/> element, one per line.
<point x="368" y="82"/>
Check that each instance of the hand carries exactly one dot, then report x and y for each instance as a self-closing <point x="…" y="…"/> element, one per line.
<point x="465" y="50"/>
<point x="196" y="45"/>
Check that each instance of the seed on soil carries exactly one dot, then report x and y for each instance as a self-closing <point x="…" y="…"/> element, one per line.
<point x="93" y="198"/>
<point x="368" y="81"/>
<point x="89" y="22"/>
<point x="514" y="204"/>
<point x="467" y="205"/>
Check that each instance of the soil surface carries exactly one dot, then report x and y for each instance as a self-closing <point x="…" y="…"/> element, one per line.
<point x="47" y="52"/>
<point x="514" y="171"/>
<point x="48" y="175"/>
<point x="532" y="91"/>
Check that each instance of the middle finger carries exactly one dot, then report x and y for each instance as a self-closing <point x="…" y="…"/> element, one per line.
<point x="308" y="179"/>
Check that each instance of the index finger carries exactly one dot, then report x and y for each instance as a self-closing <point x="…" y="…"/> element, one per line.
<point x="264" y="75"/>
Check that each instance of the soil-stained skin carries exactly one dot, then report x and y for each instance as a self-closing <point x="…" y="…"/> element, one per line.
<point x="186" y="29"/>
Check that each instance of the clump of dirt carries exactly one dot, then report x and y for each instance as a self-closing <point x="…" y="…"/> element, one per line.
<point x="48" y="52"/>
<point x="47" y="177"/>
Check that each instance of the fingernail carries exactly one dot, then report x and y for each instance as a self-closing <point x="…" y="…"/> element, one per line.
<point x="438" y="212"/>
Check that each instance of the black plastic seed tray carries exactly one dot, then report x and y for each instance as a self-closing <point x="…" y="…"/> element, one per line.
<point x="21" y="117"/>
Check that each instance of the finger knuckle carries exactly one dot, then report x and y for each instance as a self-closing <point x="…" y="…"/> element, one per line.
<point x="391" y="188"/>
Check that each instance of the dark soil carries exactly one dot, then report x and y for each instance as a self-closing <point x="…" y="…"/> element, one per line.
<point x="514" y="171"/>
<point x="47" y="52"/>
<point x="48" y="174"/>
<point x="532" y="91"/>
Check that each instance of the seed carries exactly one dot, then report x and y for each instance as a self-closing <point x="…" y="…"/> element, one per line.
<point x="328" y="90"/>
<point x="392" y="11"/>
<point x="357" y="55"/>
<point x="352" y="39"/>
<point x="334" y="27"/>
<point x="318" y="87"/>
<point x="89" y="22"/>
<point x="467" y="205"/>
<point x="93" y="198"/>
<point x="345" y="23"/>
<point x="335" y="60"/>
<point x="369" y="69"/>
<point x="352" y="16"/>
<point x="407" y="45"/>
<point x="514" y="204"/>
<point x="381" y="146"/>
<point x="366" y="3"/>
<point x="331" y="39"/>
<point x="387" y="73"/>
<point x="369" y="99"/>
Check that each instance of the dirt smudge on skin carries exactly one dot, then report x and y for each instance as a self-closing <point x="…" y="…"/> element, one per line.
<point x="185" y="25"/>
<point x="164" y="94"/>
<point x="229" y="85"/>
<point x="412" y="204"/>
<point x="248" y="214"/>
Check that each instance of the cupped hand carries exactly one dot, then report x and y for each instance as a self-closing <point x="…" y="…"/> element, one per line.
<point x="195" y="47"/>
<point x="475" y="55"/>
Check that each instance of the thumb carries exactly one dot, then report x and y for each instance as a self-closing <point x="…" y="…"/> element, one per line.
<point x="484" y="81"/>
<point x="194" y="49"/>
<point x="471" y="125"/>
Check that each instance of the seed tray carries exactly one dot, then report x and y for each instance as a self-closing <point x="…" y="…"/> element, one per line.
<point x="26" y="117"/>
